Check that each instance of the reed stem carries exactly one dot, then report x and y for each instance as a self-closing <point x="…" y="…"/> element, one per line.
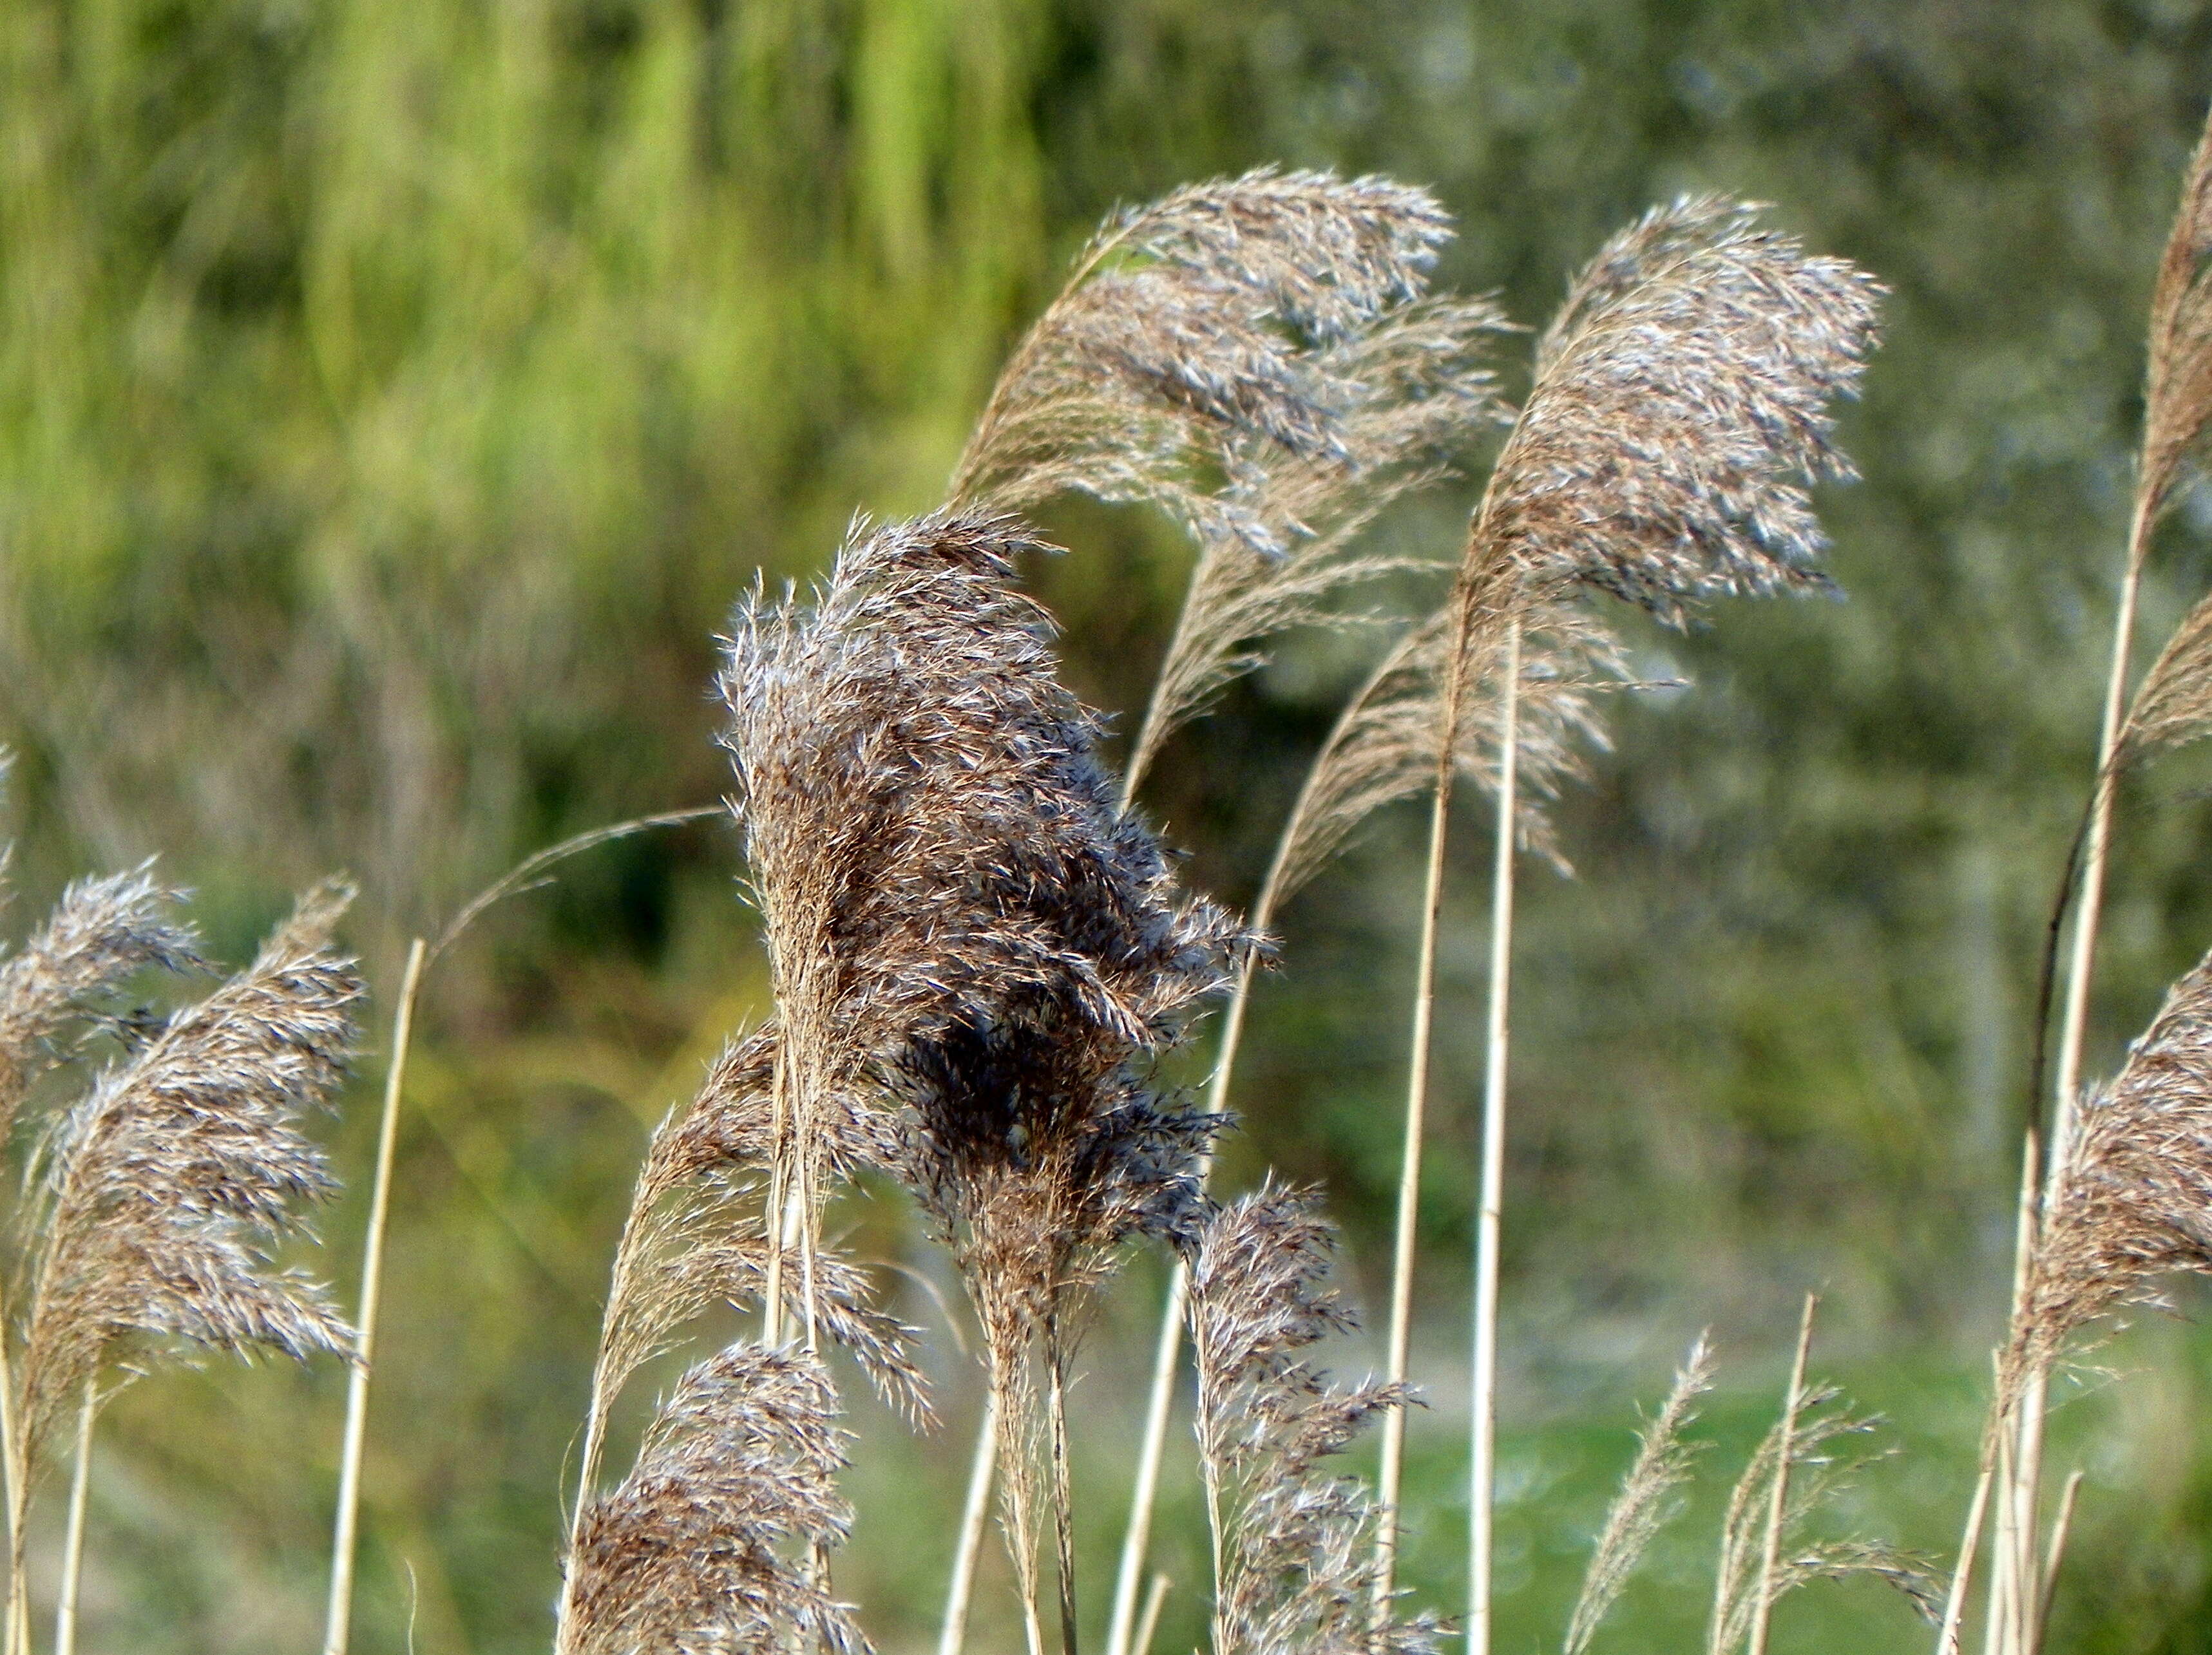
<point x="73" y="1540"/>
<point x="1482" y="1460"/>
<point x="1149" y="1622"/>
<point x="953" y="1634"/>
<point x="338" y="1625"/>
<point x="14" y="1639"/>
<point x="1136" y="1536"/>
<point x="2060" y="1527"/>
<point x="1777" y="1504"/>
<point x="1063" y="1496"/>
<point x="1955" y="1603"/>
<point x="1409" y="1186"/>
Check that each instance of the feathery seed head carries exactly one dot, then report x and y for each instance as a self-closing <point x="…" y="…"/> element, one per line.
<point x="2178" y="374"/>
<point x="1222" y="318"/>
<point x="1682" y="402"/>
<point x="101" y="933"/>
<point x="703" y="1549"/>
<point x="2133" y="1201"/>
<point x="186" y="1163"/>
<point x="1298" y="1569"/>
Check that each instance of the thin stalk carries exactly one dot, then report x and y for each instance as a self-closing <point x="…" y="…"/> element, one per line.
<point x="1216" y="1541"/>
<point x="2014" y="1587"/>
<point x="12" y="1638"/>
<point x="2082" y="962"/>
<point x="1997" y="1628"/>
<point x="1482" y="1462"/>
<point x="772" y="1214"/>
<point x="338" y="1624"/>
<point x="1149" y="1622"/>
<point x="1954" y="1604"/>
<point x="1409" y="1185"/>
<point x="73" y="1542"/>
<point x="1777" y="1504"/>
<point x="2060" y="1527"/>
<point x="973" y="1516"/>
<point x="2073" y="1028"/>
<point x="1136" y="1537"/>
<point x="1063" y="1512"/>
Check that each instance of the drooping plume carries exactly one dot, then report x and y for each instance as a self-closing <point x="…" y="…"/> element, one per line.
<point x="1208" y="321"/>
<point x="1683" y="400"/>
<point x="1384" y="746"/>
<point x="101" y="932"/>
<point x="1424" y="393"/>
<point x="1805" y="1446"/>
<point x="1295" y="1566"/>
<point x="697" y="1238"/>
<point x="964" y="921"/>
<point x="2178" y="375"/>
<point x="168" y="1183"/>
<point x="2134" y="1202"/>
<point x="704" y="1547"/>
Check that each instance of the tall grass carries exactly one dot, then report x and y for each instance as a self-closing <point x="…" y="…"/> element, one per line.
<point x="980" y="955"/>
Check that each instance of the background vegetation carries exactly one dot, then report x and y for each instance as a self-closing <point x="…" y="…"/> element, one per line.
<point x="393" y="398"/>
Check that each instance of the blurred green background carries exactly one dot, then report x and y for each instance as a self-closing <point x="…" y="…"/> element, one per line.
<point x="393" y="398"/>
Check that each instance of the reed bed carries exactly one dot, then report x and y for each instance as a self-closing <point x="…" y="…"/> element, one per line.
<point x="982" y="954"/>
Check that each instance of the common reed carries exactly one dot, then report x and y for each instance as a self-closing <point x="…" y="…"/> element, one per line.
<point x="159" y="1194"/>
<point x="965" y="926"/>
<point x="2167" y="709"/>
<point x="1681" y="403"/>
<point x="1294" y="1561"/>
<point x="1224" y="315"/>
<point x="1257" y="357"/>
<point x="1649" y="1498"/>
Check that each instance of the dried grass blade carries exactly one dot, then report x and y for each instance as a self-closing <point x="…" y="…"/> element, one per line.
<point x="1647" y="1500"/>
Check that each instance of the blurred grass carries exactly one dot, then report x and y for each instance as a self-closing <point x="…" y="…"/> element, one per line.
<point x="392" y="399"/>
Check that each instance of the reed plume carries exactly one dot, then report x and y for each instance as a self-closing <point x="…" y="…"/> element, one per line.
<point x="1383" y="748"/>
<point x="1421" y="392"/>
<point x="1680" y="408"/>
<point x="1191" y="327"/>
<point x="1683" y="401"/>
<point x="1327" y="387"/>
<point x="1650" y="1498"/>
<point x="166" y="1184"/>
<point x="1294" y="1560"/>
<point x="962" y="922"/>
<point x="164" y="1189"/>
<point x="698" y="1235"/>
<point x="710" y="1544"/>
<point x="1798" y="1469"/>
<point x="2134" y="1203"/>
<point x="101" y="933"/>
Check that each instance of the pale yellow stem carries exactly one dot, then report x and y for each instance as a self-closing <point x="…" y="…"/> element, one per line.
<point x="1482" y="1459"/>
<point x="339" y="1622"/>
<point x="2060" y="1527"/>
<point x="1409" y="1187"/>
<point x="954" y="1633"/>
<point x="1166" y="1352"/>
<point x="73" y="1539"/>
<point x="1149" y="1623"/>
<point x="1777" y="1504"/>
<point x="1954" y="1605"/>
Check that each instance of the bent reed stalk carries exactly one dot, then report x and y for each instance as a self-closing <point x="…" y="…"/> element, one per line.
<point x="2171" y="706"/>
<point x="1682" y="401"/>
